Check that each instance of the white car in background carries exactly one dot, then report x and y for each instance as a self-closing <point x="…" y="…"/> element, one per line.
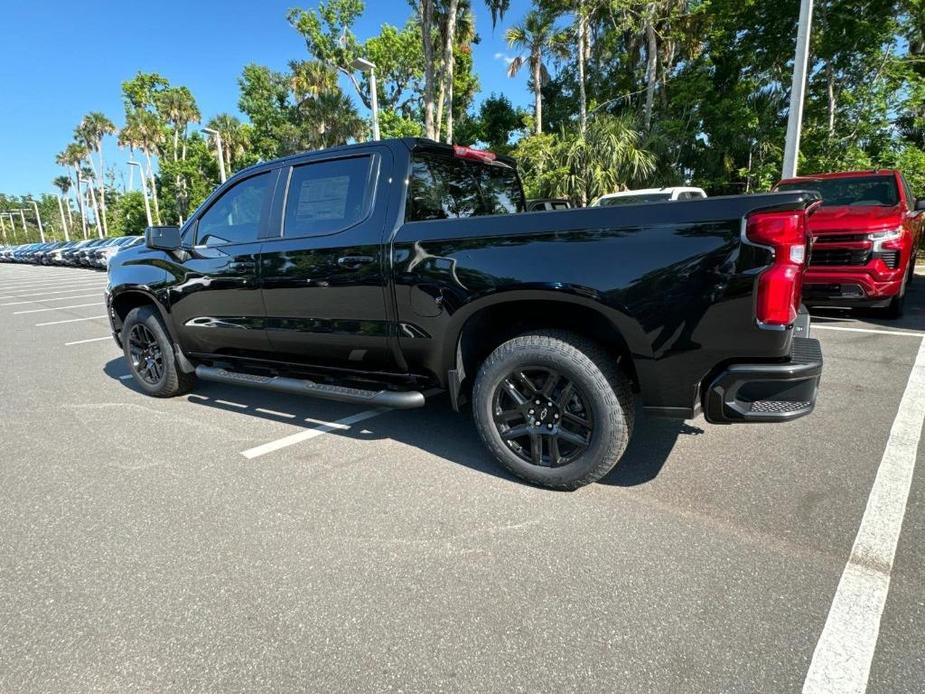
<point x="632" y="197"/>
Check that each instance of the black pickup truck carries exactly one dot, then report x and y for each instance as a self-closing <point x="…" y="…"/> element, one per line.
<point x="372" y="273"/>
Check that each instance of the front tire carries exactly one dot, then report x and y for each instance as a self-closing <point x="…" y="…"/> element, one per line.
<point x="554" y="409"/>
<point x="897" y="304"/>
<point x="149" y="352"/>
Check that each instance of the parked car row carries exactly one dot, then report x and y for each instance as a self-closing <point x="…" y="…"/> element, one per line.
<point x="85" y="253"/>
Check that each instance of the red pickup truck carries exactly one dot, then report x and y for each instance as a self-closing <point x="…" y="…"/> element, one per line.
<point x="864" y="239"/>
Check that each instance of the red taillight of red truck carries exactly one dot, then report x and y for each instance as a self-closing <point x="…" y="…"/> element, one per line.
<point x="780" y="285"/>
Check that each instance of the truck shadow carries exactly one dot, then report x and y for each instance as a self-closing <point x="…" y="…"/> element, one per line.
<point x="435" y="429"/>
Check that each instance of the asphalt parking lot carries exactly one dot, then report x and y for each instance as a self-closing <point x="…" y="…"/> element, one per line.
<point x="239" y="540"/>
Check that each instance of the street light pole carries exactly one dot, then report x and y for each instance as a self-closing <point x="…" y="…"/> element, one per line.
<point x="63" y="220"/>
<point x="144" y="191"/>
<point x="369" y="67"/>
<point x="12" y="226"/>
<point x="221" y="151"/>
<point x="38" y="220"/>
<point x="22" y="218"/>
<point x="797" y="89"/>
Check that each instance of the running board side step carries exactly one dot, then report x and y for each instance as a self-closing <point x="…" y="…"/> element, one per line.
<point x="400" y="400"/>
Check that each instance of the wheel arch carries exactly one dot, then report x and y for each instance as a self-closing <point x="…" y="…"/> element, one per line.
<point x="485" y="327"/>
<point x="122" y="302"/>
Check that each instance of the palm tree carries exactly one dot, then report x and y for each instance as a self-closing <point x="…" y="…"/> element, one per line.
<point x="331" y="120"/>
<point x="73" y="156"/>
<point x="537" y="37"/>
<point x="427" y="30"/>
<point x="91" y="131"/>
<point x="150" y="136"/>
<point x="606" y="159"/>
<point x="87" y="173"/>
<point x="178" y="107"/>
<point x="310" y="78"/>
<point x="234" y="138"/>
<point x="63" y="183"/>
<point x="129" y="136"/>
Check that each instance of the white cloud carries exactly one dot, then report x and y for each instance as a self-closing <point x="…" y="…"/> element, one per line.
<point x="505" y="57"/>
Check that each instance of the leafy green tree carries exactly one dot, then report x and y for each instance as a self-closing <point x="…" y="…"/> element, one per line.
<point x="329" y="37"/>
<point x="130" y="216"/>
<point x="265" y="100"/>
<point x="494" y="125"/>
<point x="235" y="140"/>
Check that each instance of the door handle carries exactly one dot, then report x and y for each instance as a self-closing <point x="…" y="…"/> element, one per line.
<point x="243" y="265"/>
<point x="352" y="262"/>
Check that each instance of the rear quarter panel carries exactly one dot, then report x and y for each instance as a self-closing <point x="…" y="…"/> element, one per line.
<point x="673" y="278"/>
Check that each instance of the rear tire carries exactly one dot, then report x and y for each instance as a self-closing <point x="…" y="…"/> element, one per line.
<point x="576" y="423"/>
<point x="149" y="352"/>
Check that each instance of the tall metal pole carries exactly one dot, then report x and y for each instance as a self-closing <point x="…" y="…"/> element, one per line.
<point x="221" y="150"/>
<point x="144" y="191"/>
<point x="22" y="217"/>
<point x="63" y="220"/>
<point x="374" y="102"/>
<point x="38" y="220"/>
<point x="797" y="89"/>
<point x="3" y="228"/>
<point x="369" y="67"/>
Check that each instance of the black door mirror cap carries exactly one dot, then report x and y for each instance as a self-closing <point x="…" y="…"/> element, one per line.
<point x="163" y="238"/>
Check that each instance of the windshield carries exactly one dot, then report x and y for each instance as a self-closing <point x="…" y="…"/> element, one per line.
<point x="875" y="191"/>
<point x="634" y="199"/>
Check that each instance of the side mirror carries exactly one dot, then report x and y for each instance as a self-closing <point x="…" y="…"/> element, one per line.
<point x="920" y="204"/>
<point x="163" y="238"/>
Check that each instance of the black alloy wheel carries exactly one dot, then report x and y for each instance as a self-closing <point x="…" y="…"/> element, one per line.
<point x="146" y="354"/>
<point x="554" y="408"/>
<point x="542" y="416"/>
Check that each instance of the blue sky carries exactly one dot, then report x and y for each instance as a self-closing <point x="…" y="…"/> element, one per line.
<point x="53" y="69"/>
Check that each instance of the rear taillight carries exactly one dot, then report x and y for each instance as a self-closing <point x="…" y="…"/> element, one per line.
<point x="779" y="286"/>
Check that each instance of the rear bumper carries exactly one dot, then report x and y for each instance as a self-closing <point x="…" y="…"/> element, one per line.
<point x="776" y="392"/>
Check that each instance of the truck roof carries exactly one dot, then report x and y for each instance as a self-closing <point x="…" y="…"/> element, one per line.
<point x="409" y="142"/>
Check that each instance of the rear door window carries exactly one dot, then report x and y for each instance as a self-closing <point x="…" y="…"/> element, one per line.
<point x="327" y="197"/>
<point x="448" y="187"/>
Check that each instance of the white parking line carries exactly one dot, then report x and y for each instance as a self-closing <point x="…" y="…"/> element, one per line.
<point x="301" y="436"/>
<point x="60" y="298"/>
<point x="230" y="404"/>
<point x="125" y="377"/>
<point x="49" y="280"/>
<point x="83" y="342"/>
<point x="55" y="308"/>
<point x="40" y="285"/>
<point x="867" y="330"/>
<point x="275" y="413"/>
<point x="72" y="320"/>
<point x="57" y="291"/>
<point x="843" y="655"/>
